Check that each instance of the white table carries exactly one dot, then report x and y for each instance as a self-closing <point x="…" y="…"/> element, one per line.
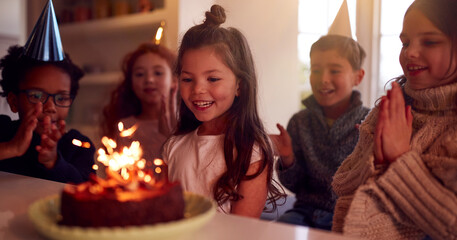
<point x="18" y="192"/>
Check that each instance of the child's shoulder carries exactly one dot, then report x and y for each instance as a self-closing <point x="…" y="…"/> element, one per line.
<point x="369" y="122"/>
<point x="129" y="121"/>
<point x="8" y="127"/>
<point x="302" y="115"/>
<point x="5" y="119"/>
<point x="72" y="133"/>
<point x="177" y="142"/>
<point x="74" y="138"/>
<point x="175" y="139"/>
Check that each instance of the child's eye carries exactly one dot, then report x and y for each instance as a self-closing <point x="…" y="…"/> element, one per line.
<point x="404" y="44"/>
<point x="430" y="43"/>
<point x="213" y="79"/>
<point x="316" y="71"/>
<point x="63" y="99"/>
<point x="158" y="73"/>
<point x="35" y="95"/>
<point x="335" y="71"/>
<point x="186" y="79"/>
<point x="138" y="74"/>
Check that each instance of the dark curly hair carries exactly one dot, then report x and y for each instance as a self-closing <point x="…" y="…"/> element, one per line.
<point x="244" y="127"/>
<point x="15" y="66"/>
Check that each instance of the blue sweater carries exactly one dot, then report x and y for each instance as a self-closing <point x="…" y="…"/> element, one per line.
<point x="74" y="164"/>
<point x="319" y="151"/>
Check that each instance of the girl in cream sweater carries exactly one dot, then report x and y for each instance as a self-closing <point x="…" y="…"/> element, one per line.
<point x="401" y="180"/>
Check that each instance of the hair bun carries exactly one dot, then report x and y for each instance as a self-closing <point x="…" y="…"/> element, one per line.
<point x="215" y="17"/>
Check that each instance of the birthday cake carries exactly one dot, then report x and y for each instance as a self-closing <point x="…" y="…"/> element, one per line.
<point x="91" y="204"/>
<point x="131" y="194"/>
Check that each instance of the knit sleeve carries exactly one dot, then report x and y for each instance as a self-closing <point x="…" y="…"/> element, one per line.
<point x="358" y="166"/>
<point x="354" y="171"/>
<point x="293" y="177"/>
<point x="421" y="196"/>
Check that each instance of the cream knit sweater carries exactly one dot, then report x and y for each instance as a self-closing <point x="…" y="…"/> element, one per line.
<point x="416" y="195"/>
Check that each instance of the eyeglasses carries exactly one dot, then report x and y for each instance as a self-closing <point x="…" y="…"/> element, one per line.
<point x="60" y="99"/>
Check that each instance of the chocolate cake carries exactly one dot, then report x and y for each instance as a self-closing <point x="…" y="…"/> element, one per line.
<point x="101" y="203"/>
<point x="131" y="194"/>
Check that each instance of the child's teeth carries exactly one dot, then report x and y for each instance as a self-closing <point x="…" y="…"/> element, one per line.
<point x="415" y="68"/>
<point x="202" y="104"/>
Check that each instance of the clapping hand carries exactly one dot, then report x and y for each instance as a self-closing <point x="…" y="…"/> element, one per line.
<point x="47" y="151"/>
<point x="283" y="146"/>
<point x="21" y="141"/>
<point x="394" y="127"/>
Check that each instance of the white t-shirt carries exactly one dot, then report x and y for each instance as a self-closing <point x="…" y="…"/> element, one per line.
<point x="198" y="162"/>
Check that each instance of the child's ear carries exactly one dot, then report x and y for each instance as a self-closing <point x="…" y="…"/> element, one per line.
<point x="359" y="74"/>
<point x="13" y="102"/>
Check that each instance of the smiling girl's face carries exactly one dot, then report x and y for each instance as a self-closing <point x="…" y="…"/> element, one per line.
<point x="151" y="78"/>
<point x="426" y="53"/>
<point x="208" y="87"/>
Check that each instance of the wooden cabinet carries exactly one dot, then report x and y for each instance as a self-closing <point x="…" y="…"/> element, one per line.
<point x="99" y="45"/>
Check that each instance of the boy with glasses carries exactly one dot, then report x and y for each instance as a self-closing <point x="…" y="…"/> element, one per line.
<point x="40" y="83"/>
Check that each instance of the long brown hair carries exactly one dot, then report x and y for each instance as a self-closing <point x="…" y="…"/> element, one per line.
<point x="124" y="102"/>
<point x="244" y="127"/>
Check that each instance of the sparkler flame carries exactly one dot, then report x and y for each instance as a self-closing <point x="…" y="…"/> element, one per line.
<point x="128" y="161"/>
<point x="127" y="165"/>
<point x="127" y="132"/>
<point x="79" y="143"/>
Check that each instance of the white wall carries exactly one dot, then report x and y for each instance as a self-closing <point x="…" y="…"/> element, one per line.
<point x="271" y="28"/>
<point x="192" y="13"/>
<point x="12" y="31"/>
<point x="367" y="31"/>
<point x="12" y="21"/>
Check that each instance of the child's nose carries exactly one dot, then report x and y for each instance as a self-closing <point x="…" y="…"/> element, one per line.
<point x="326" y="77"/>
<point x="150" y="77"/>
<point x="198" y="87"/>
<point x="412" y="51"/>
<point x="49" y="106"/>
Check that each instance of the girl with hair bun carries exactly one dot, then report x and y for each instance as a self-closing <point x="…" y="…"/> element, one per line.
<point x="220" y="148"/>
